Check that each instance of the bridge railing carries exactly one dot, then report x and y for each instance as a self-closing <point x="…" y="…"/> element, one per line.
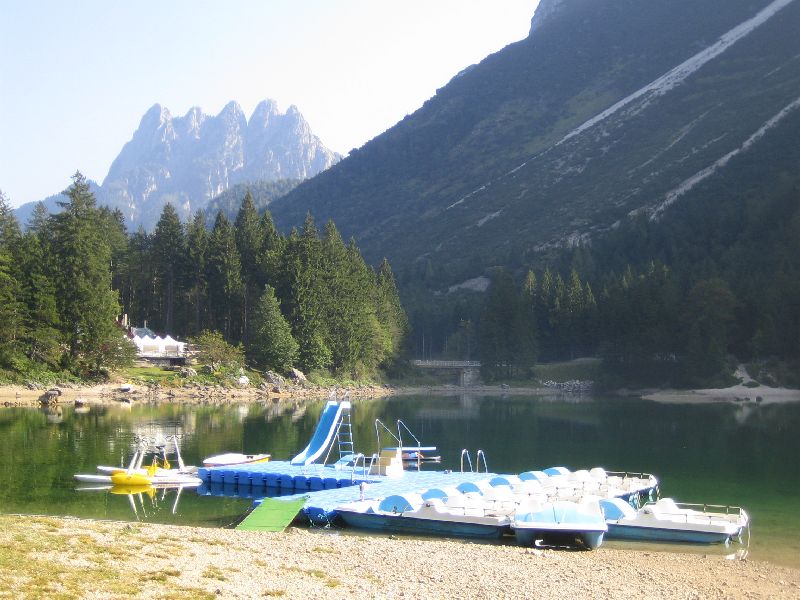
<point x="446" y="364"/>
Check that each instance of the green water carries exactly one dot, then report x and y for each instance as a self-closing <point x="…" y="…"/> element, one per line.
<point x="739" y="453"/>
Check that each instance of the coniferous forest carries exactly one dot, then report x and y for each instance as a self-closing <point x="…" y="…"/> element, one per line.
<point x="307" y="299"/>
<point x="676" y="302"/>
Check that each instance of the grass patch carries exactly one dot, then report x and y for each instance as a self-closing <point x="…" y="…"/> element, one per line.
<point x="582" y="369"/>
<point x="25" y="568"/>
<point x="186" y="593"/>
<point x="212" y="572"/>
<point x="331" y="582"/>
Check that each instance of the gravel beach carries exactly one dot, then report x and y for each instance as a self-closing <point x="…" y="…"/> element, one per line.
<point x="88" y="559"/>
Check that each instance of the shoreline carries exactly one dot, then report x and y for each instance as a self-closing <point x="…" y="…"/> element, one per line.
<point x="107" y="393"/>
<point x="97" y="557"/>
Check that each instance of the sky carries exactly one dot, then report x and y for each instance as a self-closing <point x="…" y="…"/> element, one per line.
<point x="77" y="77"/>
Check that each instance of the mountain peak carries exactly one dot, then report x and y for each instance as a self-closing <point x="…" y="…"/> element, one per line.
<point x="191" y="159"/>
<point x="155" y="117"/>
<point x="264" y="112"/>
<point x="232" y="110"/>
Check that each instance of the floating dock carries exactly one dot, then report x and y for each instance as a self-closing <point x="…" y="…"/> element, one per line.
<point x="323" y="487"/>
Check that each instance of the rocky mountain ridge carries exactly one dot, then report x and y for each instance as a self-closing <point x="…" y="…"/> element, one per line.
<point x="189" y="160"/>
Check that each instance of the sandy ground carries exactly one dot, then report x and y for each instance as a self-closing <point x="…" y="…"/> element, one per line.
<point x="741" y="393"/>
<point x="186" y="562"/>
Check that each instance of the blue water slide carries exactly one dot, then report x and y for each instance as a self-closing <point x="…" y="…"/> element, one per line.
<point x="326" y="429"/>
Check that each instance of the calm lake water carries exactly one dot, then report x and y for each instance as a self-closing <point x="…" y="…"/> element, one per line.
<point x="739" y="453"/>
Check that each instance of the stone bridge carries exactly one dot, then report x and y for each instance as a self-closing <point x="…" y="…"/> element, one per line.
<point x="469" y="370"/>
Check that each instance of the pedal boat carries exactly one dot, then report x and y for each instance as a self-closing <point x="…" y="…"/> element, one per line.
<point x="668" y="521"/>
<point x="560" y="523"/>
<point x="458" y="516"/>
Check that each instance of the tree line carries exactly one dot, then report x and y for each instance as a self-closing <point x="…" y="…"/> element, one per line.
<point x="671" y="301"/>
<point x="648" y="326"/>
<point x="307" y="299"/>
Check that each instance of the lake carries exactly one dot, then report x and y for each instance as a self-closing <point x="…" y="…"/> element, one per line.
<point x="727" y="453"/>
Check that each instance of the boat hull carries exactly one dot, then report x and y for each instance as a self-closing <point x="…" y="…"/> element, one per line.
<point x="663" y="534"/>
<point x="418" y="526"/>
<point x="137" y="479"/>
<point x="87" y="478"/>
<point x="559" y="537"/>
<point x="227" y="460"/>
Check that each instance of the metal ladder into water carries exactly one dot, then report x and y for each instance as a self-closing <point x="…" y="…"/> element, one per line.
<point x="344" y="436"/>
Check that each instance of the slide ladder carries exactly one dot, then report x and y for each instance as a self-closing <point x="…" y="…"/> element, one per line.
<point x="345" y="436"/>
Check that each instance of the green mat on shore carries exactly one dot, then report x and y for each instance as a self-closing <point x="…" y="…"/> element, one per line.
<point x="272" y="515"/>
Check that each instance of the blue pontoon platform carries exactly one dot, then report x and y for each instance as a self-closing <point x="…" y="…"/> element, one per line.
<point x="355" y="477"/>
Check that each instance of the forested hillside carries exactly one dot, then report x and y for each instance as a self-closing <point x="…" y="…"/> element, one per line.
<point x="609" y="107"/>
<point x="263" y="192"/>
<point x="307" y="299"/>
<point x="637" y="158"/>
<point x="667" y="302"/>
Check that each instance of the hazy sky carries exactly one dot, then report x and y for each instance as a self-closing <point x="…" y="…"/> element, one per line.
<point x="76" y="77"/>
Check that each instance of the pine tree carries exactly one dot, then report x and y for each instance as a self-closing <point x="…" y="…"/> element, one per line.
<point x="709" y="311"/>
<point x="9" y="226"/>
<point x="116" y="235"/>
<point x="43" y="338"/>
<point x="168" y="250"/>
<point x="225" y="279"/>
<point x="527" y="339"/>
<point x="271" y="254"/>
<point x="39" y="221"/>
<point x="543" y="304"/>
<point x="496" y="330"/>
<point x="302" y="295"/>
<point x="137" y="292"/>
<point x="196" y="273"/>
<point x="249" y="242"/>
<point x="87" y="304"/>
<point x="12" y="311"/>
<point x="391" y="317"/>
<point x="349" y="310"/>
<point x="272" y="346"/>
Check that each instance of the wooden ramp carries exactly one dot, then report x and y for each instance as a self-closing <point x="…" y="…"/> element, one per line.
<point x="272" y="515"/>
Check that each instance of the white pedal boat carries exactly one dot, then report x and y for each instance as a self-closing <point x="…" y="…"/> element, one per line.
<point x="670" y="521"/>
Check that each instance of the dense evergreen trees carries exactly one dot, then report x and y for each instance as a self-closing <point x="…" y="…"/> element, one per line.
<point x="649" y="326"/>
<point x="665" y="302"/>
<point x="308" y="300"/>
<point x="58" y="305"/>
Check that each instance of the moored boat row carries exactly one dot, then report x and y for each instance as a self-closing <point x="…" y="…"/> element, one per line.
<point x="551" y="507"/>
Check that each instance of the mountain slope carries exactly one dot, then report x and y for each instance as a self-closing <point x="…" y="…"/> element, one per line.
<point x="608" y="109"/>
